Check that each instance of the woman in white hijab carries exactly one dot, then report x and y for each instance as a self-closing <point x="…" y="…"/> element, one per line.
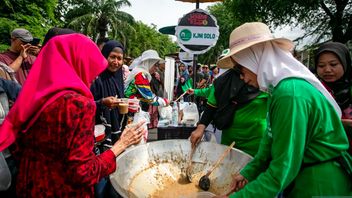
<point x="301" y="152"/>
<point x="137" y="84"/>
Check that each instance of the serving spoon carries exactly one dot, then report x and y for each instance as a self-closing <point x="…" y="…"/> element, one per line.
<point x="204" y="181"/>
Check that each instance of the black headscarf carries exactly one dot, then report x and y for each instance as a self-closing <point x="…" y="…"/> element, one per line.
<point x="55" y="31"/>
<point x="342" y="87"/>
<point x="110" y="46"/>
<point x="109" y="84"/>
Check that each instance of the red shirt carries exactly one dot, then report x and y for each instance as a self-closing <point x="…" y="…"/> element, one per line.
<point x="56" y="156"/>
<point x="8" y="57"/>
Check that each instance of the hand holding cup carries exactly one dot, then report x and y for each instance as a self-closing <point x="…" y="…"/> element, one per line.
<point x="123" y="106"/>
<point x="110" y="102"/>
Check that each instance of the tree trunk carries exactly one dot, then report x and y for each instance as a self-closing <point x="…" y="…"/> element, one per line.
<point x="336" y="23"/>
<point x="102" y="26"/>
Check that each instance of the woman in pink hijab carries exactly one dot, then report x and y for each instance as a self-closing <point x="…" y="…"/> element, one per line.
<point x="52" y="123"/>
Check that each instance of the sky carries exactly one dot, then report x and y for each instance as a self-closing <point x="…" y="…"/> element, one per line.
<point x="167" y="13"/>
<point x="160" y="12"/>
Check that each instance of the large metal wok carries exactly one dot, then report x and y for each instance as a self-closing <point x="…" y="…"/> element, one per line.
<point x="142" y="170"/>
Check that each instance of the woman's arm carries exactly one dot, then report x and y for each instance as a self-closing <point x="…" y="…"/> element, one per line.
<point x="286" y="135"/>
<point x="84" y="166"/>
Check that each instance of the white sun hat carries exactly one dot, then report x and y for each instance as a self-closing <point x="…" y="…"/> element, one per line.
<point x="248" y="35"/>
<point x="151" y="55"/>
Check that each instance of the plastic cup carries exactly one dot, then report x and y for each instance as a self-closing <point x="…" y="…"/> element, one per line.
<point x="133" y="105"/>
<point x="99" y="132"/>
<point x="123" y="106"/>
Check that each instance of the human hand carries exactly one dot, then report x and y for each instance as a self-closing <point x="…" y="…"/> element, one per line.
<point x="110" y="102"/>
<point x="190" y="91"/>
<point x="34" y="50"/>
<point x="197" y="135"/>
<point x="24" y="49"/>
<point x="238" y="182"/>
<point x="131" y="135"/>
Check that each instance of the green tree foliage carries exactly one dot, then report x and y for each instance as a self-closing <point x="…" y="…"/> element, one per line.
<point x="226" y="22"/>
<point x="97" y="18"/>
<point x="61" y="9"/>
<point x="323" y="19"/>
<point x="35" y="15"/>
<point x="147" y="37"/>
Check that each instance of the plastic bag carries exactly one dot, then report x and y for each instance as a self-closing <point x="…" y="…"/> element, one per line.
<point x="190" y="114"/>
<point x="142" y="116"/>
<point x="5" y="175"/>
<point x="165" y="113"/>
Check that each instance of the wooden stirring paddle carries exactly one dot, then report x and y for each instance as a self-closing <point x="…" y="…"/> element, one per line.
<point x="189" y="166"/>
<point x="204" y="182"/>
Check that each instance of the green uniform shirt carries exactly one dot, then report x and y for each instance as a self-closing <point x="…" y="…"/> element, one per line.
<point x="302" y="127"/>
<point x="205" y="92"/>
<point x="248" y="124"/>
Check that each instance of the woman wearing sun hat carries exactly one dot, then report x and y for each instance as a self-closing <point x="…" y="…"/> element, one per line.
<point x="305" y="142"/>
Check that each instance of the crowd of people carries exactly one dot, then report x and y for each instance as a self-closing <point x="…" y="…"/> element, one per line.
<point x="296" y="124"/>
<point x="68" y="88"/>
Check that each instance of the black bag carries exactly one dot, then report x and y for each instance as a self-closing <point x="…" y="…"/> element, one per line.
<point x="231" y="93"/>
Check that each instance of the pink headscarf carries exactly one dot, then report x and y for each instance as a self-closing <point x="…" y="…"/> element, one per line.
<point x="67" y="63"/>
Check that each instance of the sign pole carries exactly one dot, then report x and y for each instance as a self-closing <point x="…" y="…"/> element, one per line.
<point x="197" y="4"/>
<point x="195" y="57"/>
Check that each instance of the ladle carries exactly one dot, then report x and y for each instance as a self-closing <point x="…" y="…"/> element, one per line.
<point x="189" y="166"/>
<point x="204" y="182"/>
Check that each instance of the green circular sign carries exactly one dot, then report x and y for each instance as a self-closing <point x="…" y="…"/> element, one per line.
<point x="185" y="35"/>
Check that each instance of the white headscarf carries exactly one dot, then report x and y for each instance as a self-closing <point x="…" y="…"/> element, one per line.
<point x="273" y="64"/>
<point x="142" y="66"/>
<point x="134" y="63"/>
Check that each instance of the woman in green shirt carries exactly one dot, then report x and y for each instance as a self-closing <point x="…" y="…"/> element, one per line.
<point x="304" y="139"/>
<point x="245" y="124"/>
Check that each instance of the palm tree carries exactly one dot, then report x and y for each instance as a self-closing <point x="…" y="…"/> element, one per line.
<point x="97" y="18"/>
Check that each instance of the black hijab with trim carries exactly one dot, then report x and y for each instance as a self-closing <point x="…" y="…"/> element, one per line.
<point x="109" y="84"/>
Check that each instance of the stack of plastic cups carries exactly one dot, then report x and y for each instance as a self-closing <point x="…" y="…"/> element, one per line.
<point x="133" y="105"/>
<point x="99" y="132"/>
